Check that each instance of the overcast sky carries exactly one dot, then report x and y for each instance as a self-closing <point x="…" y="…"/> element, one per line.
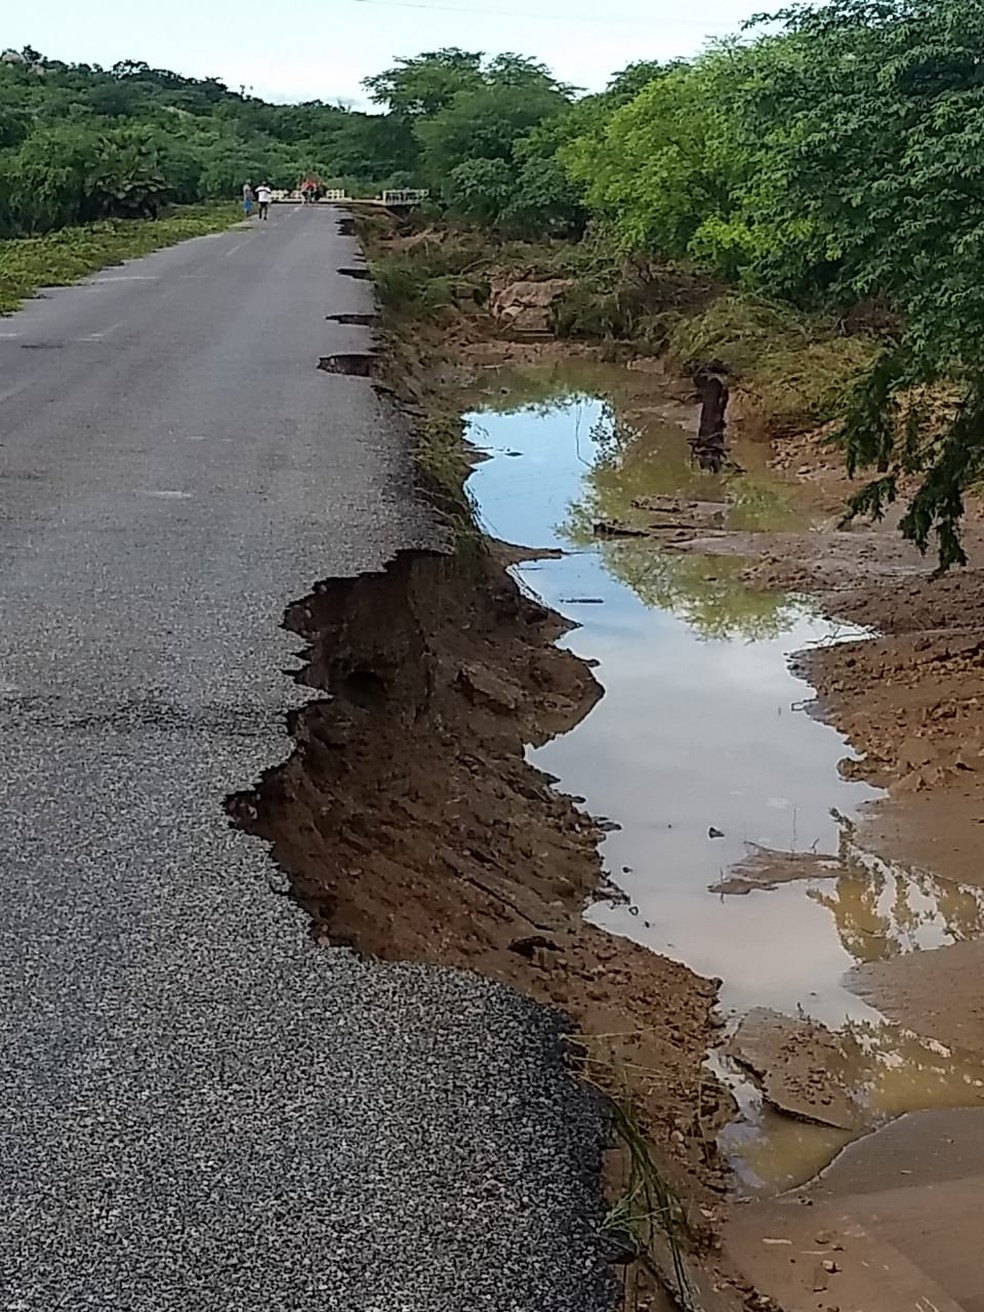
<point x="321" y="49"/>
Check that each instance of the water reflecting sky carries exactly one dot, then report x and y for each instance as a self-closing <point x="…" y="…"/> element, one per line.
<point x="702" y="726"/>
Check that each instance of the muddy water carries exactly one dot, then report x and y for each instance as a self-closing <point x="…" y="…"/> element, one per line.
<point x="704" y="753"/>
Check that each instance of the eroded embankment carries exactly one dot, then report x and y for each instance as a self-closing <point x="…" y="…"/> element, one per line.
<point x="412" y="827"/>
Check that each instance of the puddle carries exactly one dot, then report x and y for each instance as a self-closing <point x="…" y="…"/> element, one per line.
<point x="703" y="749"/>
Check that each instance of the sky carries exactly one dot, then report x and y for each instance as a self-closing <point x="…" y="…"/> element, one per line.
<point x="289" y="50"/>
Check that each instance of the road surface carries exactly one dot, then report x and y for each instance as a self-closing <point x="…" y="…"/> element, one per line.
<point x="199" y="1109"/>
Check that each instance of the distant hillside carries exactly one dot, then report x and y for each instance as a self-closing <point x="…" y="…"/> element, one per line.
<point x="79" y="143"/>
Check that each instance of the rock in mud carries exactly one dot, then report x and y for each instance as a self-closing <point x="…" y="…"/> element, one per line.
<point x="482" y="685"/>
<point x="525" y="306"/>
<point x="804" y="1069"/>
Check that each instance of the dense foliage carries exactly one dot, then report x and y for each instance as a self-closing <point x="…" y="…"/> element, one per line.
<point x="831" y="161"/>
<point x="79" y="144"/>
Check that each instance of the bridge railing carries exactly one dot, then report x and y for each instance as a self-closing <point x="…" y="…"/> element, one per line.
<point x="404" y="196"/>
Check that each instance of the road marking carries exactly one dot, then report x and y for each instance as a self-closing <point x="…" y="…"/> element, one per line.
<point x="11" y="335"/>
<point x="169" y="493"/>
<point x="238" y="246"/>
<point x="98" y="337"/>
<point x="131" y="277"/>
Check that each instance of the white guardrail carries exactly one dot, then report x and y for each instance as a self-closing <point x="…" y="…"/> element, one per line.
<point x="402" y="196"/>
<point x="406" y="196"/>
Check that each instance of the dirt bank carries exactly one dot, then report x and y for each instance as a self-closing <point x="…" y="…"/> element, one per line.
<point x="412" y="826"/>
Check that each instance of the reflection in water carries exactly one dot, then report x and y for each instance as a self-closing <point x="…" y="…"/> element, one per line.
<point x="634" y="462"/>
<point x="699" y="748"/>
<point x="884" y="910"/>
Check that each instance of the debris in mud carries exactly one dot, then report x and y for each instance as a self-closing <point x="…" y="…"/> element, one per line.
<point x="804" y="1069"/>
<point x="678" y="512"/>
<point x="531" y="945"/>
<point x="617" y="528"/>
<point x="673" y="516"/>
<point x="767" y="868"/>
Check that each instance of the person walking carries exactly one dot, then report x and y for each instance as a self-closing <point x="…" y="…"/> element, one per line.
<point x="247" y="198"/>
<point x="263" y="196"/>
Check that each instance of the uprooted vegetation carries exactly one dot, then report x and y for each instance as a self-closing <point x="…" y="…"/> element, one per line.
<point x="788" y="371"/>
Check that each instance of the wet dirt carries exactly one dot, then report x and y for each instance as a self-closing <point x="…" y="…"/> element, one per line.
<point x="412" y="826"/>
<point x="743" y="832"/>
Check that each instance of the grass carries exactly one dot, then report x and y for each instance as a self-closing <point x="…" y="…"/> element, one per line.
<point x="649" y="1211"/>
<point x="443" y="464"/>
<point x="60" y="258"/>
<point x="647" y="1217"/>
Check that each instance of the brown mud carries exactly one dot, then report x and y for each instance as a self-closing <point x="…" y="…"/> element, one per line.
<point x="413" y="827"/>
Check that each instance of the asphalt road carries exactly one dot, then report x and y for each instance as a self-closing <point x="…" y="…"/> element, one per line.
<point x="198" y="1108"/>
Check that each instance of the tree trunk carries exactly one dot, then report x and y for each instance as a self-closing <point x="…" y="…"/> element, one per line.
<point x="708" y="448"/>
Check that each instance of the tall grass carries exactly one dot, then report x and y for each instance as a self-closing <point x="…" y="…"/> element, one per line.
<point x="59" y="258"/>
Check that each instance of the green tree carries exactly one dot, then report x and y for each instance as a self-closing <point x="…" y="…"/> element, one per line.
<point x="874" y="160"/>
<point x="426" y="83"/>
<point x="660" y="167"/>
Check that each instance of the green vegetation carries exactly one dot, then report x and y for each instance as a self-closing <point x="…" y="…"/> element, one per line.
<point x="63" y="257"/>
<point x="825" y="168"/>
<point x="80" y="143"/>
<point x="824" y="172"/>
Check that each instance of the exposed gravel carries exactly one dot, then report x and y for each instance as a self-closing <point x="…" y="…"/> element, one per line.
<point x="199" y="1109"/>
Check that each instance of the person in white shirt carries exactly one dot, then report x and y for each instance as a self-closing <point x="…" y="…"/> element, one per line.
<point x="263" y="197"/>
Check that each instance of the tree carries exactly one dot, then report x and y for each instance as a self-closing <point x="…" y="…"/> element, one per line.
<point x="483" y="124"/>
<point x="659" y="166"/>
<point x="480" y="189"/>
<point x="427" y="83"/>
<point x="875" y="157"/>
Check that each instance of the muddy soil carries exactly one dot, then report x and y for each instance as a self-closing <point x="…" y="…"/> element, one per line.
<point x="412" y="827"/>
